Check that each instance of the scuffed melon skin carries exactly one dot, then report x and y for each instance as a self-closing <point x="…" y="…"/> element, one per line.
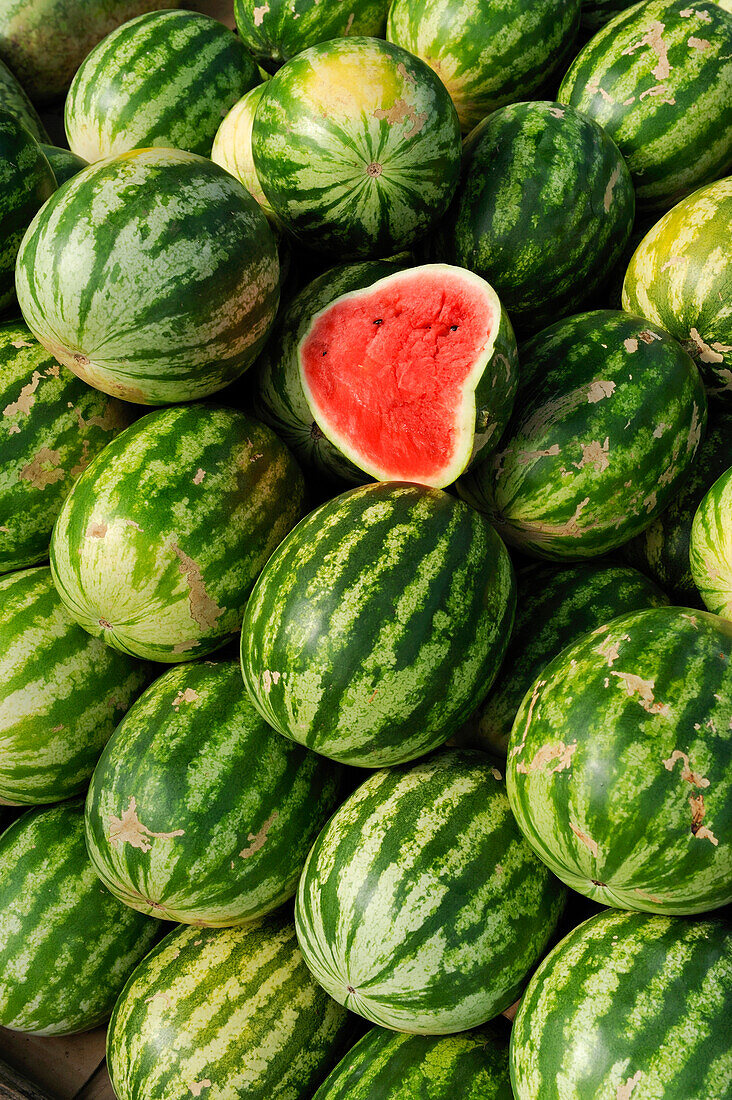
<point x="413" y="378"/>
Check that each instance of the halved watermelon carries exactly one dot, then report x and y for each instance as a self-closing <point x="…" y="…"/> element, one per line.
<point x="413" y="377"/>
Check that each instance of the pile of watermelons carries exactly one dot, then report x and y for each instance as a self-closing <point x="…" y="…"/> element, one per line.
<point x="366" y="380"/>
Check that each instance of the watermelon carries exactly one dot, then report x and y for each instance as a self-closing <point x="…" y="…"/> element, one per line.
<point x="357" y="147"/>
<point x="711" y="546"/>
<point x="166" y="79"/>
<point x="680" y="277"/>
<point x="628" y="1006"/>
<point x="609" y="417"/>
<point x="378" y="624"/>
<point x="662" y="550"/>
<point x="409" y="930"/>
<point x="278" y="29"/>
<point x="14" y="100"/>
<point x="63" y="693"/>
<point x="487" y="53"/>
<point x="198" y="811"/>
<point x="64" y="163"/>
<point x="544" y="209"/>
<point x="658" y="78"/>
<point x="66" y="945"/>
<point x="132" y="552"/>
<point x="620" y="762"/>
<point x="45" y="41"/>
<point x="232" y="148"/>
<point x="26" y="181"/>
<point x="232" y="1010"/>
<point x="412" y="378"/>
<point x="278" y="397"/>
<point x="51" y="427"/>
<point x="554" y="608"/>
<point x="384" y="1065"/>
<point x="129" y="331"/>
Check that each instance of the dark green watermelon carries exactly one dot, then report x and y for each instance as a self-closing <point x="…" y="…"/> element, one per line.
<point x="26" y="181"/>
<point x="14" y="100"/>
<point x="554" y="608"/>
<point x="385" y="1065"/>
<point x="198" y="811"/>
<point x="628" y="1007"/>
<point x="662" y="550"/>
<point x="544" y="209"/>
<point x="609" y="416"/>
<point x="620" y="763"/>
<point x="64" y="163"/>
<point x="421" y="907"/>
<point x="378" y="624"/>
<point x="66" y="945"/>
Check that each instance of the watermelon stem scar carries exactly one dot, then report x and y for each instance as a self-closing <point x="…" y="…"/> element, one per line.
<point x="408" y="377"/>
<point x="374" y="169"/>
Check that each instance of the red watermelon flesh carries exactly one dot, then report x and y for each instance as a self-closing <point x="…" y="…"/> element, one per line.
<point x="391" y="372"/>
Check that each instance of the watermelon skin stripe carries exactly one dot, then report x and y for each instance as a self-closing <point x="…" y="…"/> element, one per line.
<point x="223" y="810"/>
<point x="487" y="54"/>
<point x="357" y="147"/>
<point x="470" y="1066"/>
<point x="711" y="546"/>
<point x="278" y="398"/>
<point x="646" y="996"/>
<point x="14" y="100"/>
<point x="620" y="763"/>
<point x="132" y="554"/>
<point x="680" y="277"/>
<point x="659" y="80"/>
<point x="26" y="181"/>
<point x="555" y="607"/>
<point x="172" y="339"/>
<point x="163" y="79"/>
<point x="63" y="693"/>
<point x="609" y="416"/>
<point x="405" y="928"/>
<point x="66" y="945"/>
<point x="235" y="1007"/>
<point x="376" y="667"/>
<point x="51" y="427"/>
<point x="279" y="29"/>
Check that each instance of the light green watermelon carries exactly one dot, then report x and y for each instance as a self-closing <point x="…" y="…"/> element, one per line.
<point x="710" y="549"/>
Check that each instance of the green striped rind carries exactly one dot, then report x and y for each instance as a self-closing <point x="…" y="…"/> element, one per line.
<point x="680" y="277"/>
<point x="159" y="543"/>
<point x="278" y="29"/>
<point x="163" y="79"/>
<point x="487" y="54"/>
<point x="619" y="766"/>
<point x="482" y="407"/>
<point x="405" y="927"/>
<point x="232" y="147"/>
<point x="51" y="427"/>
<point x="278" y="397"/>
<point x="45" y="41"/>
<point x="63" y="693"/>
<point x="224" y="1013"/>
<point x="610" y="413"/>
<point x="66" y="945"/>
<point x="387" y="1066"/>
<point x="711" y="547"/>
<point x="662" y="550"/>
<point x="544" y="209"/>
<point x="165" y="297"/>
<point x="554" y="608"/>
<point x="14" y="100"/>
<point x="658" y="78"/>
<point x="357" y="146"/>
<point x="198" y="811"/>
<point x="378" y="624"/>
<point x="628" y="1006"/>
<point x="26" y="181"/>
<point x="64" y="163"/>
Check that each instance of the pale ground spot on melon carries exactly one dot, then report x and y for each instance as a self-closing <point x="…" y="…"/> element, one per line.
<point x="631" y="345"/>
<point x="401" y="111"/>
<point x="258" y="840"/>
<point x="204" y="609"/>
<point x="44" y="469"/>
<point x="197" y="1087"/>
<point x="546" y="755"/>
<point x="586" y="839"/>
<point x="686" y="772"/>
<point x="626" y="1090"/>
<point x="599" y="390"/>
<point x="643" y="689"/>
<point x="653" y="40"/>
<point x="595" y="454"/>
<point x="96" y="531"/>
<point x="259" y="14"/>
<point x="189" y="695"/>
<point x="128" y="829"/>
<point x="26" y="399"/>
<point x="698" y="813"/>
